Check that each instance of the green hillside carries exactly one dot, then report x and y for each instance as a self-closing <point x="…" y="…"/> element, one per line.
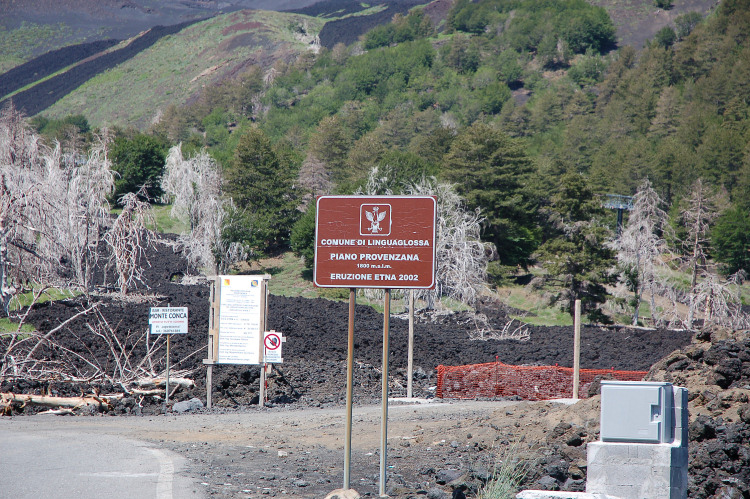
<point x="176" y="67"/>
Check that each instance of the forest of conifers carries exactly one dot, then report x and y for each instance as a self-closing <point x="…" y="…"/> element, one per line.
<point x="528" y="107"/>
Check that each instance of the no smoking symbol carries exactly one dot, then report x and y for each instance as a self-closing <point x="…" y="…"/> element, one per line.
<point x="272" y="341"/>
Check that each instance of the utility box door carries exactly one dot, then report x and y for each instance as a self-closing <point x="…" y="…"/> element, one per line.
<point x="634" y="411"/>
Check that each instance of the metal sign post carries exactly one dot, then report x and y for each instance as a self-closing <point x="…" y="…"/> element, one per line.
<point x="349" y="383"/>
<point x="166" y="384"/>
<point x="384" y="419"/>
<point x="168" y="320"/>
<point x="410" y="357"/>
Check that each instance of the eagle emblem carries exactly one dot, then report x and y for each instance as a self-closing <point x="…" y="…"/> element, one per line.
<point x="375" y="217"/>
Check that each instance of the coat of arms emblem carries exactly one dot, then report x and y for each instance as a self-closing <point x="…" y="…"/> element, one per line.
<point x="376" y="220"/>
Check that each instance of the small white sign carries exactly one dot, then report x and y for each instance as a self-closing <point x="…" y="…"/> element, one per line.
<point x="272" y="341"/>
<point x="168" y="320"/>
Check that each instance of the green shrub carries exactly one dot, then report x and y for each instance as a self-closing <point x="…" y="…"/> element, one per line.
<point x="665" y="37"/>
<point x="138" y="161"/>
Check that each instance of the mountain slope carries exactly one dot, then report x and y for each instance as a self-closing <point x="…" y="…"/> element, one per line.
<point x="29" y="29"/>
<point x="133" y="92"/>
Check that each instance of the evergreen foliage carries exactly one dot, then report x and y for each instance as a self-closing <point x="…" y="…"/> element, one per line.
<point x="730" y="239"/>
<point x="575" y="254"/>
<point x="491" y="172"/>
<point x="138" y="162"/>
<point x="261" y="184"/>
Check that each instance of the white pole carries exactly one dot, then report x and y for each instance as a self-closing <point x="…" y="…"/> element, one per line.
<point x="166" y="397"/>
<point x="577" y="350"/>
<point x="410" y="362"/>
<point x="349" y="383"/>
<point x="384" y="419"/>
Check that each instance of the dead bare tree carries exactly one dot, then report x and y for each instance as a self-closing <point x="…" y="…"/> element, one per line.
<point x="53" y="209"/>
<point x="701" y="209"/>
<point x="129" y="239"/>
<point x="461" y="255"/>
<point x="81" y="210"/>
<point x="641" y="246"/>
<point x="194" y="187"/>
<point x="21" y="168"/>
<point x="720" y="299"/>
<point x="314" y="178"/>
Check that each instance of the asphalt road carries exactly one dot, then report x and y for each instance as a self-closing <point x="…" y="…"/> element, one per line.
<point x="59" y="458"/>
<point x="252" y="453"/>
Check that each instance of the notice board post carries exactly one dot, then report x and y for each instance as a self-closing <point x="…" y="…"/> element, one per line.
<point x="168" y="320"/>
<point x="237" y="323"/>
<point x="385" y="242"/>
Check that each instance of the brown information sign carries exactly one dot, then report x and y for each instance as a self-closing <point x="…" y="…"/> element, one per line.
<point x="375" y="242"/>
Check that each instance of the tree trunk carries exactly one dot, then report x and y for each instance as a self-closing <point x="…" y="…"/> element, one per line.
<point x="5" y="292"/>
<point x="47" y="401"/>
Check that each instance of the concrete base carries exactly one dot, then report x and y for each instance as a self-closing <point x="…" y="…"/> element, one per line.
<point x="548" y="494"/>
<point x="635" y="471"/>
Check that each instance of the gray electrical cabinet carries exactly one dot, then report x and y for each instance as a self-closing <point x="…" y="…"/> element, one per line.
<point x="637" y="411"/>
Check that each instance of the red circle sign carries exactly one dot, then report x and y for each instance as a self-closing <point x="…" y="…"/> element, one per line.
<point x="272" y="341"/>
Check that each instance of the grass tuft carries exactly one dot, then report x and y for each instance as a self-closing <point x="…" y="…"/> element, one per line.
<point x="507" y="475"/>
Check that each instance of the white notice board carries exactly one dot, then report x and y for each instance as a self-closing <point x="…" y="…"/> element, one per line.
<point x="241" y="311"/>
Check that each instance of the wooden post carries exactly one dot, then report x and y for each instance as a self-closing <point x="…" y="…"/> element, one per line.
<point x="209" y="383"/>
<point x="384" y="418"/>
<point x="349" y="384"/>
<point x="213" y="339"/>
<point x="577" y="349"/>
<point x="410" y="361"/>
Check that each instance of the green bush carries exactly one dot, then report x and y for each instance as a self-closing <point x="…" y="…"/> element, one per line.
<point x="138" y="161"/>
<point x="665" y="37"/>
<point x="302" y="238"/>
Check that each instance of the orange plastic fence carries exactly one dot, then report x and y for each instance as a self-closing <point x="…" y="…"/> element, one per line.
<point x="496" y="379"/>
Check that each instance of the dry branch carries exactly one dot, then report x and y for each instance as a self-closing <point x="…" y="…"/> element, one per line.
<point x="162" y="382"/>
<point x="47" y="401"/>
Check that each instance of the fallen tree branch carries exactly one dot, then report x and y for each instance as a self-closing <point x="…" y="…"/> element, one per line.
<point x="152" y="392"/>
<point x="60" y="412"/>
<point x="47" y="401"/>
<point x="161" y="382"/>
<point x="56" y="329"/>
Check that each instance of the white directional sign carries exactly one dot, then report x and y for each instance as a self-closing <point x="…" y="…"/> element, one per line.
<point x="168" y="320"/>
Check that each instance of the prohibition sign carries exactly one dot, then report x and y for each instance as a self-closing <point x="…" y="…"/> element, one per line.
<point x="272" y="341"/>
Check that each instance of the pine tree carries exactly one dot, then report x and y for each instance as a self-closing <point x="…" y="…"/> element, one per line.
<point x="262" y="189"/>
<point x="575" y="255"/>
<point x="491" y="172"/>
